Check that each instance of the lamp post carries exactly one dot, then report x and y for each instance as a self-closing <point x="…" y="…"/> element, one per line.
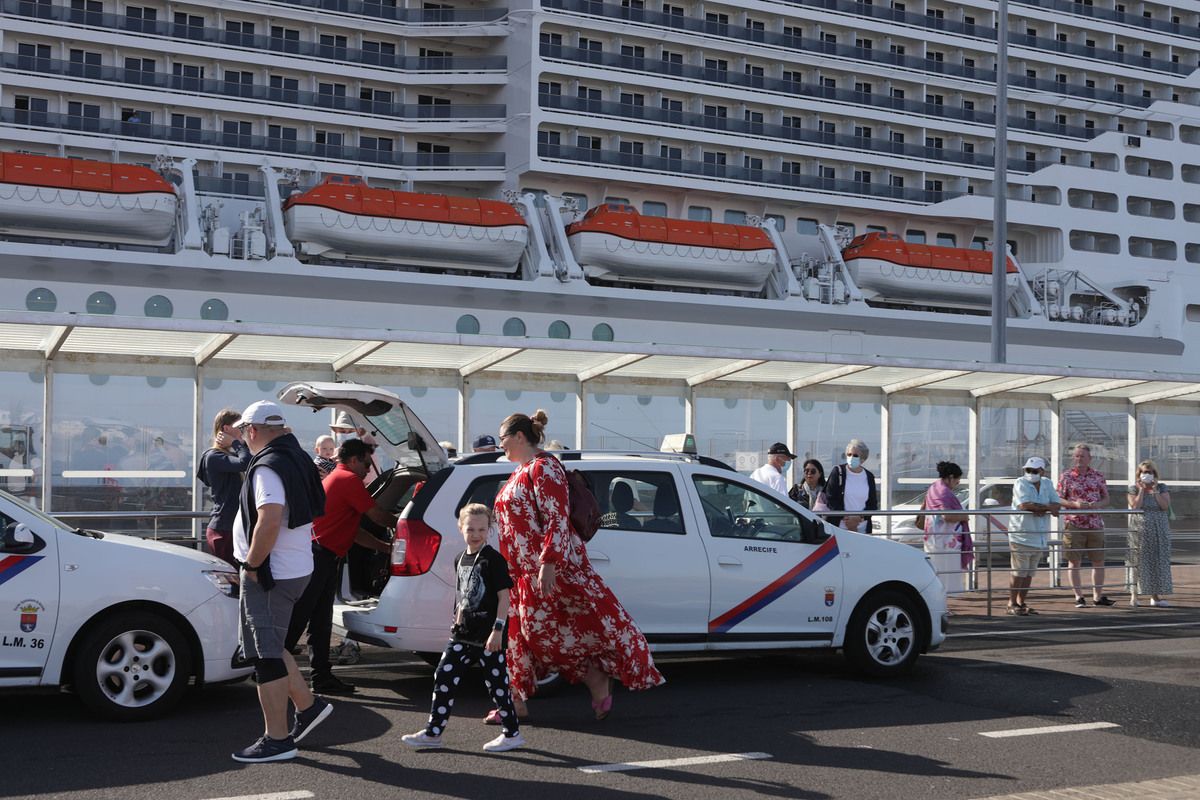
<point x="1000" y="193"/>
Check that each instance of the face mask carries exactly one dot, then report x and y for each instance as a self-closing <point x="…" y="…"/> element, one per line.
<point x="1147" y="477"/>
<point x="343" y="437"/>
<point x="853" y="462"/>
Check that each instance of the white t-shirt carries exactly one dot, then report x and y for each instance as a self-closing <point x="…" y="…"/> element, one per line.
<point x="769" y="476"/>
<point x="857" y="492"/>
<point x="292" y="555"/>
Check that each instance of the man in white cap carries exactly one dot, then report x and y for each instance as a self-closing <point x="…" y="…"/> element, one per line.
<point x="1028" y="534"/>
<point x="771" y="473"/>
<point x="272" y="537"/>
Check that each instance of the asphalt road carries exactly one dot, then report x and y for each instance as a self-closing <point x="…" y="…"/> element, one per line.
<point x="827" y="732"/>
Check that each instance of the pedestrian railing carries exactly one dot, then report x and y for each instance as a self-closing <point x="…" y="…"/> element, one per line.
<point x="146" y="524"/>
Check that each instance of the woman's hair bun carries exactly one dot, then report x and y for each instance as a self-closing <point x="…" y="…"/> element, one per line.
<point x="540" y="417"/>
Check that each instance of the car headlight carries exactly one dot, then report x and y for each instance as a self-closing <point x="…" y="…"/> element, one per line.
<point x="224" y="580"/>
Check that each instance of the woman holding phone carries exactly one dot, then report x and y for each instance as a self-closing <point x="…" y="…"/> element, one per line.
<point x="1150" y="537"/>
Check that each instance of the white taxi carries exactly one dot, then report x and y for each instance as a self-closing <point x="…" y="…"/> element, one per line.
<point x="126" y="623"/>
<point x="702" y="557"/>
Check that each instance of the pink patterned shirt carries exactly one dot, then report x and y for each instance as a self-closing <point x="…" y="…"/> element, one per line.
<point x="1087" y="485"/>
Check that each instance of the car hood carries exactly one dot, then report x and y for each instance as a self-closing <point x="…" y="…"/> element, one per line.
<point x="202" y="561"/>
<point x="388" y="419"/>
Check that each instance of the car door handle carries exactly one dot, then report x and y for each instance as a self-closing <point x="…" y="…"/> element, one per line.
<point x="726" y="561"/>
<point x="597" y="556"/>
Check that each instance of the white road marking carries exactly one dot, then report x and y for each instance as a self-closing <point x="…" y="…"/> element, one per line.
<point x="675" y="762"/>
<point x="1081" y="726"/>
<point x="1028" y="631"/>
<point x="298" y="795"/>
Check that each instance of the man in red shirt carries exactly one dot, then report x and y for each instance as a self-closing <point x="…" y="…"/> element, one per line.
<point x="346" y="501"/>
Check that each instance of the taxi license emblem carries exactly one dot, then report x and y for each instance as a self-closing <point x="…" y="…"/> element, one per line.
<point x="829" y="595"/>
<point x="29" y="610"/>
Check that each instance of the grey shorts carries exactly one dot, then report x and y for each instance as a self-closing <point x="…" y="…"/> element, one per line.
<point x="1024" y="559"/>
<point x="265" y="616"/>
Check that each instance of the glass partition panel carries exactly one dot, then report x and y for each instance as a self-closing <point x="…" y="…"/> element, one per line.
<point x="123" y="443"/>
<point x="1105" y="430"/>
<point x="632" y="422"/>
<point x="1170" y="437"/>
<point x="738" y="430"/>
<point x="1010" y="431"/>
<point x="437" y="407"/>
<point x="825" y="424"/>
<point x="21" y="397"/>
<point x="926" y="429"/>
<point x="489" y="407"/>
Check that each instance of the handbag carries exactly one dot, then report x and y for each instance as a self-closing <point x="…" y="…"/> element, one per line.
<point x="920" y="520"/>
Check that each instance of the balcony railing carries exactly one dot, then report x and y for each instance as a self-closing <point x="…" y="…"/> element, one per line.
<point x="196" y="33"/>
<point x="418" y="16"/>
<point x="251" y="91"/>
<point x="741" y="80"/>
<point x="822" y="47"/>
<point x="1112" y="15"/>
<point x="238" y="141"/>
<point x="683" y="166"/>
<point x="789" y="133"/>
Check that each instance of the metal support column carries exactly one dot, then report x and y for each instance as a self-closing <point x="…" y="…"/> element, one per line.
<point x="581" y="424"/>
<point x="689" y="411"/>
<point x="793" y="428"/>
<point x="1132" y="456"/>
<point x="974" y="476"/>
<point x="47" y="425"/>
<point x="1056" y="465"/>
<point x="199" y="444"/>
<point x="464" y="414"/>
<point x="885" y="436"/>
<point x="1000" y="193"/>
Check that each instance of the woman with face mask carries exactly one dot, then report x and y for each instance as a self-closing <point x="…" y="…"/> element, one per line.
<point x="1150" y="537"/>
<point x="851" y="487"/>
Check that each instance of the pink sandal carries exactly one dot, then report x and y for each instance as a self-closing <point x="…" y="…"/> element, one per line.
<point x="493" y="718"/>
<point x="602" y="708"/>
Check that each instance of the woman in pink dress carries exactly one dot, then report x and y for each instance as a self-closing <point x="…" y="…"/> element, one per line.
<point x="563" y="618"/>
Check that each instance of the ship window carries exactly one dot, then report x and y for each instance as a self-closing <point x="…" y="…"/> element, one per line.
<point x="619" y="201"/>
<point x="806" y="227"/>
<point x="979" y="243"/>
<point x="581" y="200"/>
<point x="849" y="227"/>
<point x="513" y="326"/>
<point x="214" y="309"/>
<point x="947" y="239"/>
<point x="101" y="303"/>
<point x="602" y="332"/>
<point x="467" y="323"/>
<point x="41" y="299"/>
<point x="876" y="229"/>
<point x="779" y="220"/>
<point x="914" y="236"/>
<point x="735" y="217"/>
<point x="700" y="213"/>
<point x="652" y="208"/>
<point x="559" y="330"/>
<point x="159" y="306"/>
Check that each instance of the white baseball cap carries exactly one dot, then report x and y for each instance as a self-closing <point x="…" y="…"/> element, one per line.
<point x="1035" y="462"/>
<point x="263" y="412"/>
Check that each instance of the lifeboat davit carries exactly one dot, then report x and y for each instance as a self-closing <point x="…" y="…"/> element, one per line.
<point x="67" y="198"/>
<point x="344" y="218"/>
<point x="614" y="242"/>
<point x="887" y="268"/>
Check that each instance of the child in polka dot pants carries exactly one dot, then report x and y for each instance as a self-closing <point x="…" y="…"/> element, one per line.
<point x="476" y="637"/>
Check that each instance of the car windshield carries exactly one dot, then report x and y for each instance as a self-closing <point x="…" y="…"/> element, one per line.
<point x="393" y="426"/>
<point x="28" y="508"/>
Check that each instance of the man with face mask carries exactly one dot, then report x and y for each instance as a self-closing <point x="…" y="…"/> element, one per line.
<point x="771" y="473"/>
<point x="1028" y="534"/>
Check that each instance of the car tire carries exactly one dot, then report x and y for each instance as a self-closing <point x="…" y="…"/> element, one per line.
<point x="132" y="666"/>
<point x="883" y="638"/>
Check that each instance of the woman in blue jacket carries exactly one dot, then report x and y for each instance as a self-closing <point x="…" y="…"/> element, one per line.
<point x="221" y="468"/>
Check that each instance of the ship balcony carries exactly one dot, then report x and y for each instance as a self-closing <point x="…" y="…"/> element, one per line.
<point x="740" y="80"/>
<point x="787" y="133"/>
<point x="1112" y="15"/>
<point x="412" y="16"/>
<point x="292" y="47"/>
<point x="244" y="91"/>
<point x="236" y="141"/>
<point x="728" y="172"/>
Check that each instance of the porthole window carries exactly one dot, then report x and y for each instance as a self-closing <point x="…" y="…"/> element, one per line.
<point x="644" y="399"/>
<point x="214" y="309"/>
<point x="601" y="398"/>
<point x="514" y="327"/>
<point x="558" y="397"/>
<point x="560" y="330"/>
<point x="98" y="380"/>
<point x="512" y="395"/>
<point x="807" y="405"/>
<point x="41" y="299"/>
<point x="602" y="332"/>
<point x="731" y="402"/>
<point x="101" y="303"/>
<point x="156" y="381"/>
<point x="159" y="306"/>
<point x="212" y="383"/>
<point x="419" y="391"/>
<point x="265" y="386"/>
<point x="466" y="324"/>
<point x="769" y="404"/>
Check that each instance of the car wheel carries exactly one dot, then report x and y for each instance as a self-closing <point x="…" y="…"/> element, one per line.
<point x="132" y="666"/>
<point x="884" y="634"/>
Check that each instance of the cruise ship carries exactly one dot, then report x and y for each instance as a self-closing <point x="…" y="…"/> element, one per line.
<point x="805" y="179"/>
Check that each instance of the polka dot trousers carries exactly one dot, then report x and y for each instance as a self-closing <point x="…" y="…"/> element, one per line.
<point x="455" y="662"/>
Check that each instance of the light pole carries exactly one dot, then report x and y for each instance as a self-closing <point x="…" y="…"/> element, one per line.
<point x="1000" y="193"/>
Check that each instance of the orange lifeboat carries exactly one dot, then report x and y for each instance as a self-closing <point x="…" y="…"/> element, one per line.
<point x="68" y="198"/>
<point x="614" y="242"/>
<point x="344" y="218"/>
<point x="887" y="268"/>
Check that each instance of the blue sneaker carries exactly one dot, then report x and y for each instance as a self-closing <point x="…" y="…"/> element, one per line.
<point x="310" y="718"/>
<point x="267" y="749"/>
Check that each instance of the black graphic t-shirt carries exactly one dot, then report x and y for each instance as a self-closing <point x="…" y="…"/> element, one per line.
<point x="481" y="577"/>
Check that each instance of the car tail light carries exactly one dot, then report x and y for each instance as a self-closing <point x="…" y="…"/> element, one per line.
<point x="414" y="548"/>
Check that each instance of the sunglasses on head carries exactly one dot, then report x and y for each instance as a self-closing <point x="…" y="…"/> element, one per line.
<point x="810" y="471"/>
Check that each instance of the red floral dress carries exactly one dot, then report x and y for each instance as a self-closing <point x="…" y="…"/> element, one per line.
<point x="582" y="620"/>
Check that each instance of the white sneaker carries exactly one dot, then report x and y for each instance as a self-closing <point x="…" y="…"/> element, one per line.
<point x="504" y="743"/>
<point x="421" y="740"/>
<point x="1159" y="603"/>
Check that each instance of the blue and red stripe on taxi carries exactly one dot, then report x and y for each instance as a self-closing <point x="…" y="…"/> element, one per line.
<point x="777" y="588"/>
<point x="12" y="566"/>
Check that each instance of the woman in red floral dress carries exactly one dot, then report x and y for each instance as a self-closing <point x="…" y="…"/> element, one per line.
<point x="563" y="618"/>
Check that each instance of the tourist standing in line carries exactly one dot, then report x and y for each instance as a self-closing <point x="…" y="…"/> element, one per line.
<point x="851" y="487"/>
<point x="1028" y="534"/>
<point x="221" y="467"/>
<point x="1150" y="537"/>
<point x="485" y="443"/>
<point x="1082" y="487"/>
<point x="812" y="483"/>
<point x="563" y="617"/>
<point x="771" y="473"/>
<point x="947" y="535"/>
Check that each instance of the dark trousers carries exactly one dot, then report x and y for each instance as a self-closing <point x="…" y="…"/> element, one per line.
<point x="220" y="544"/>
<point x="456" y="660"/>
<point x="314" y="610"/>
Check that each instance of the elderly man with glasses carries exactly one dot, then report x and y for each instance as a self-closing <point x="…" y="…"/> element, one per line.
<point x="1028" y="534"/>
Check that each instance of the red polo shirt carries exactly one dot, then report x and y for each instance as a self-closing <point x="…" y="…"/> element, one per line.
<point x="346" y="500"/>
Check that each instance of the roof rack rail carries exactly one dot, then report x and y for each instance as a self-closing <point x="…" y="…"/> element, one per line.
<point x="577" y="455"/>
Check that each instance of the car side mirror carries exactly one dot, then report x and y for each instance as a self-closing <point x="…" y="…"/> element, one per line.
<point x="22" y="534"/>
<point x="991" y="501"/>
